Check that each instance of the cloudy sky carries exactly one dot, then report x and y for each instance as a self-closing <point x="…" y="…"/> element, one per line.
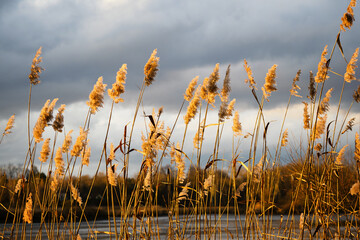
<point x="83" y="40"/>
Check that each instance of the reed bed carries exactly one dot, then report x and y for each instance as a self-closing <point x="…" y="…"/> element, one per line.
<point x="312" y="195"/>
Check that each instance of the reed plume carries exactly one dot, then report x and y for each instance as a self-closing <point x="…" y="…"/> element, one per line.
<point x="250" y="80"/>
<point x="151" y="68"/>
<point x="318" y="147"/>
<point x="193" y="106"/>
<point x="340" y="156"/>
<point x="35" y="68"/>
<point x="198" y="138"/>
<point x="312" y="89"/>
<point x="183" y="195"/>
<point x="27" y="215"/>
<point x="350" y="69"/>
<point x="45" y="151"/>
<point x="180" y="163"/>
<point x="118" y="87"/>
<point x="96" y="97"/>
<point x="75" y="194"/>
<point x="349" y="125"/>
<point x="320" y="126"/>
<point x="357" y="149"/>
<point x="204" y="90"/>
<point x="80" y="143"/>
<point x="321" y="75"/>
<point x="59" y="162"/>
<point x="324" y="105"/>
<point x="355" y="188"/>
<point x="270" y="84"/>
<point x="237" y="129"/>
<point x="190" y="89"/>
<point x="67" y="142"/>
<point x="348" y="17"/>
<point x="19" y="186"/>
<point x="58" y="123"/>
<point x="225" y="91"/>
<point x="46" y="115"/>
<point x="86" y="156"/>
<point x="9" y="125"/>
<point x="112" y="175"/>
<point x="295" y="87"/>
<point x="208" y="183"/>
<point x="112" y="153"/>
<point x="284" y="139"/>
<point x="54" y="183"/>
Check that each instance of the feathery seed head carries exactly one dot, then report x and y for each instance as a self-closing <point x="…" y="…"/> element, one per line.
<point x="151" y="68"/>
<point x="19" y="186"/>
<point x="96" y="97"/>
<point x="295" y="87"/>
<point x="321" y="75"/>
<point x="318" y="147"/>
<point x="270" y="84"/>
<point x="237" y="129"/>
<point x="190" y="89"/>
<point x="67" y="142"/>
<point x="224" y="95"/>
<point x="193" y="106"/>
<point x="59" y="162"/>
<point x="112" y="175"/>
<point x="349" y="125"/>
<point x="306" y="116"/>
<point x="250" y="80"/>
<point x="86" y="156"/>
<point x="58" y="123"/>
<point x="80" y="143"/>
<point x="324" y="105"/>
<point x="27" y="215"/>
<point x="355" y="188"/>
<point x="284" y="140"/>
<point x="45" y="151"/>
<point x="9" y="125"/>
<point x="340" y="157"/>
<point x="118" y="87"/>
<point x="46" y="115"/>
<point x="348" y="17"/>
<point x="312" y="89"/>
<point x="350" y="69"/>
<point x="35" y="68"/>
<point x="320" y="126"/>
<point x="357" y="149"/>
<point x="75" y="194"/>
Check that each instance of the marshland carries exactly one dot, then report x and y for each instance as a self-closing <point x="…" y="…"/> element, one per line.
<point x="106" y="168"/>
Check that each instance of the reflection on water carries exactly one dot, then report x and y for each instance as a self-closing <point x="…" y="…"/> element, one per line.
<point x="226" y="227"/>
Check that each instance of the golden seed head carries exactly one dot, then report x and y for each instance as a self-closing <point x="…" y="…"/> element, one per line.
<point x="208" y="183"/>
<point x="355" y="188"/>
<point x="349" y="125"/>
<point x="54" y="183"/>
<point x="324" y="105"/>
<point x="284" y="140"/>
<point x="9" y="125"/>
<point x="35" y="68"/>
<point x="80" y="143"/>
<point x="306" y="116"/>
<point x="58" y="123"/>
<point x="224" y="95"/>
<point x="45" y="151"/>
<point x="112" y="153"/>
<point x="46" y="115"/>
<point x="350" y="69"/>
<point x="312" y="89"/>
<point x="180" y="164"/>
<point x="237" y="129"/>
<point x="19" y="185"/>
<point x="204" y="90"/>
<point x="193" y="106"/>
<point x="340" y="156"/>
<point x="96" y="97"/>
<point x="67" y="142"/>
<point x="250" y="80"/>
<point x="321" y="75"/>
<point x="59" y="162"/>
<point x="112" y="175"/>
<point x="190" y="89"/>
<point x="86" y="156"/>
<point x="348" y="17"/>
<point x="270" y="83"/>
<point x="183" y="195"/>
<point x="118" y="87"/>
<point x="75" y="194"/>
<point x="198" y="138"/>
<point x="151" y="68"/>
<point x="27" y="216"/>
<point x="295" y="87"/>
<point x="320" y="126"/>
<point x="318" y="147"/>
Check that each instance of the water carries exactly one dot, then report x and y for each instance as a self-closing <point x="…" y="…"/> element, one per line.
<point x="228" y="227"/>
